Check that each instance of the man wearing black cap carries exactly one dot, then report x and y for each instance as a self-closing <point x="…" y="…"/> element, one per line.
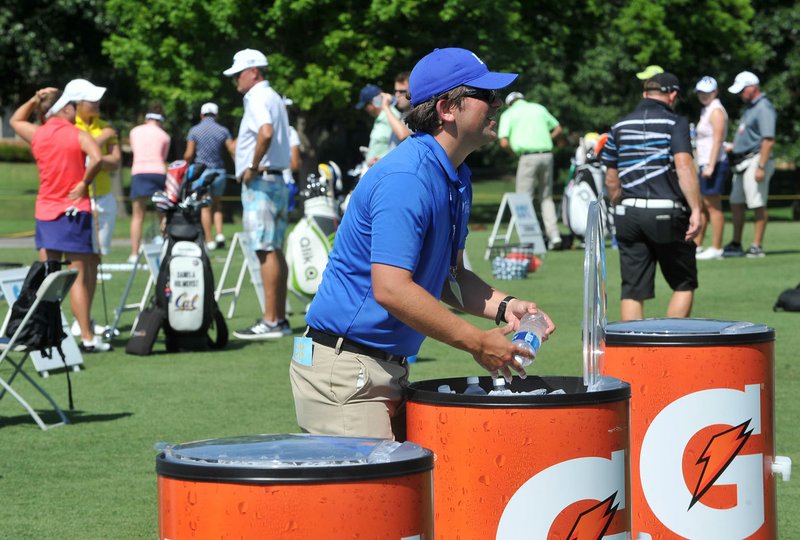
<point x="398" y="251"/>
<point x="652" y="182"/>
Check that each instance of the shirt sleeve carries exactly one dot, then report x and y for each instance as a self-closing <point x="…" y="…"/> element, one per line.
<point x="503" y="128"/>
<point x="259" y="110"/>
<point x="680" y="140"/>
<point x="766" y="122"/>
<point x="552" y="121"/>
<point x="609" y="153"/>
<point x="400" y="216"/>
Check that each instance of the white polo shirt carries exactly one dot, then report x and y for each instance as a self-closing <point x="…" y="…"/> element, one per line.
<point x="263" y="105"/>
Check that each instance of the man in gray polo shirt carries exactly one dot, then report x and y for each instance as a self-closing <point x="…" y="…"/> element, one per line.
<point x="752" y="164"/>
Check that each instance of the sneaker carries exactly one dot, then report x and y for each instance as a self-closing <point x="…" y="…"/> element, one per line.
<point x="755" y="252"/>
<point x="263" y="330"/>
<point x="220" y="240"/>
<point x="709" y="254"/>
<point x="698" y="250"/>
<point x="211" y="246"/>
<point x="733" y="249"/>
<point x="94" y="346"/>
<point x="98" y="329"/>
<point x="554" y="245"/>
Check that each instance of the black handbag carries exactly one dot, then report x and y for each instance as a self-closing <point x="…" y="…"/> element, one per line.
<point x="144" y="335"/>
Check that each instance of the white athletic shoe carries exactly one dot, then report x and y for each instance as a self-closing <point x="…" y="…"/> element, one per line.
<point x="220" y="240"/>
<point x="94" y="346"/>
<point x="211" y="246"/>
<point x="709" y="254"/>
<point x="98" y="329"/>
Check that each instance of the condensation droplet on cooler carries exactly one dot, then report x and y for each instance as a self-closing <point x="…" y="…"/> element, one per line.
<point x="500" y="460"/>
<point x="483" y="479"/>
<point x="242" y="507"/>
<point x="487" y="426"/>
<point x="643" y="389"/>
<point x="442" y="418"/>
<point x="191" y="497"/>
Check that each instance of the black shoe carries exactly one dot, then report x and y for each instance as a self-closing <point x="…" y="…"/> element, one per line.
<point x="734" y="249"/>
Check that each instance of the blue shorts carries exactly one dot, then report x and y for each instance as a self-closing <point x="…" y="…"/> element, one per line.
<point x="265" y="213"/>
<point x="144" y="185"/>
<point x="716" y="184"/>
<point x="69" y="234"/>
<point x="217" y="187"/>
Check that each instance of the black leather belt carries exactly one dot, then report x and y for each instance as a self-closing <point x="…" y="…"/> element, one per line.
<point x="536" y="152"/>
<point x="330" y="340"/>
<point x="273" y="171"/>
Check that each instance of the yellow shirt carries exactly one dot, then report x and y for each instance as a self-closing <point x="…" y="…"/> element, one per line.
<point x="102" y="182"/>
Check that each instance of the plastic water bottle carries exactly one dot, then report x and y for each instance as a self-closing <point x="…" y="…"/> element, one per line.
<point x="529" y="336"/>
<point x="500" y="388"/>
<point x="445" y="389"/>
<point x="473" y="387"/>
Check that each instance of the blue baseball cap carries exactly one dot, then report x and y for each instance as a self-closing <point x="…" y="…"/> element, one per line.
<point x="445" y="69"/>
<point x="367" y="94"/>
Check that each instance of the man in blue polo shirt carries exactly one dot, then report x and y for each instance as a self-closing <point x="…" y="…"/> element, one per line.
<point x="399" y="250"/>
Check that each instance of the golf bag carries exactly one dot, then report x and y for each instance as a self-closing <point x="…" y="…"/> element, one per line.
<point x="586" y="185"/>
<point x="185" y="283"/>
<point x="311" y="240"/>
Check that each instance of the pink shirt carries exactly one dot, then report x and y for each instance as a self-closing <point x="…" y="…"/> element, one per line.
<point x="150" y="145"/>
<point x="61" y="164"/>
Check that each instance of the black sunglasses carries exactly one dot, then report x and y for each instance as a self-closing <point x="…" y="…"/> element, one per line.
<point x="484" y="95"/>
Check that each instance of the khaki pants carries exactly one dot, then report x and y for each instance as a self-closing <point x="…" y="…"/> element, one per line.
<point x="535" y="177"/>
<point x="353" y="395"/>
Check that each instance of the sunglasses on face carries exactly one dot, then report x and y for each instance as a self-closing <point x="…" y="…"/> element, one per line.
<point x="484" y="95"/>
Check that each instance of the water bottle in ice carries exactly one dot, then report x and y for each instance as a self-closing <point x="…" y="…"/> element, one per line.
<point x="529" y="336"/>
<point x="473" y="387"/>
<point x="500" y="388"/>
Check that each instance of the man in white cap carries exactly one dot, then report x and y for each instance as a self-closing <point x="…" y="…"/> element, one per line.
<point x="751" y="159"/>
<point x="206" y="144"/>
<point x="528" y="130"/>
<point x="398" y="251"/>
<point x="262" y="153"/>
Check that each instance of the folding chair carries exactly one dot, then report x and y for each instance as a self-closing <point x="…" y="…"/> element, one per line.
<point x="54" y="288"/>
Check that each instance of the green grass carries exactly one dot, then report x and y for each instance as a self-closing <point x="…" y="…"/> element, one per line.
<point x="95" y="479"/>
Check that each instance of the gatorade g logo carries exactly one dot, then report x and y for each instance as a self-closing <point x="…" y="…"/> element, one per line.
<point x="695" y="473"/>
<point x="554" y="491"/>
<point x="720" y="452"/>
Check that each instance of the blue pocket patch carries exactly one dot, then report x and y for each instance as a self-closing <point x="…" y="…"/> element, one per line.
<point x="302" y="351"/>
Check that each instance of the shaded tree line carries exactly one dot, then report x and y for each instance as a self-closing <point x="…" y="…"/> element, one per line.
<point x="576" y="57"/>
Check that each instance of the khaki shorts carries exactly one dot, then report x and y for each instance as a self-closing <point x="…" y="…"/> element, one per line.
<point x="745" y="189"/>
<point x="349" y="394"/>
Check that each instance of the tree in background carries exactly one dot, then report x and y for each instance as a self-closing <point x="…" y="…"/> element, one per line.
<point x="578" y="57"/>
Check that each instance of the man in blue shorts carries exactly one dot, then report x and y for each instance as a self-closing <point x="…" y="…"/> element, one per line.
<point x="398" y="251"/>
<point x="652" y="181"/>
<point x="206" y="144"/>
<point x="262" y="153"/>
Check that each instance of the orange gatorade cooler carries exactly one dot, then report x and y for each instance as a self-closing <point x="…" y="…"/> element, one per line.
<point x="295" y="487"/>
<point x="533" y="467"/>
<point x="702" y="428"/>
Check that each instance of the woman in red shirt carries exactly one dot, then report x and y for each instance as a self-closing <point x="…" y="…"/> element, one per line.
<point x="68" y="160"/>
